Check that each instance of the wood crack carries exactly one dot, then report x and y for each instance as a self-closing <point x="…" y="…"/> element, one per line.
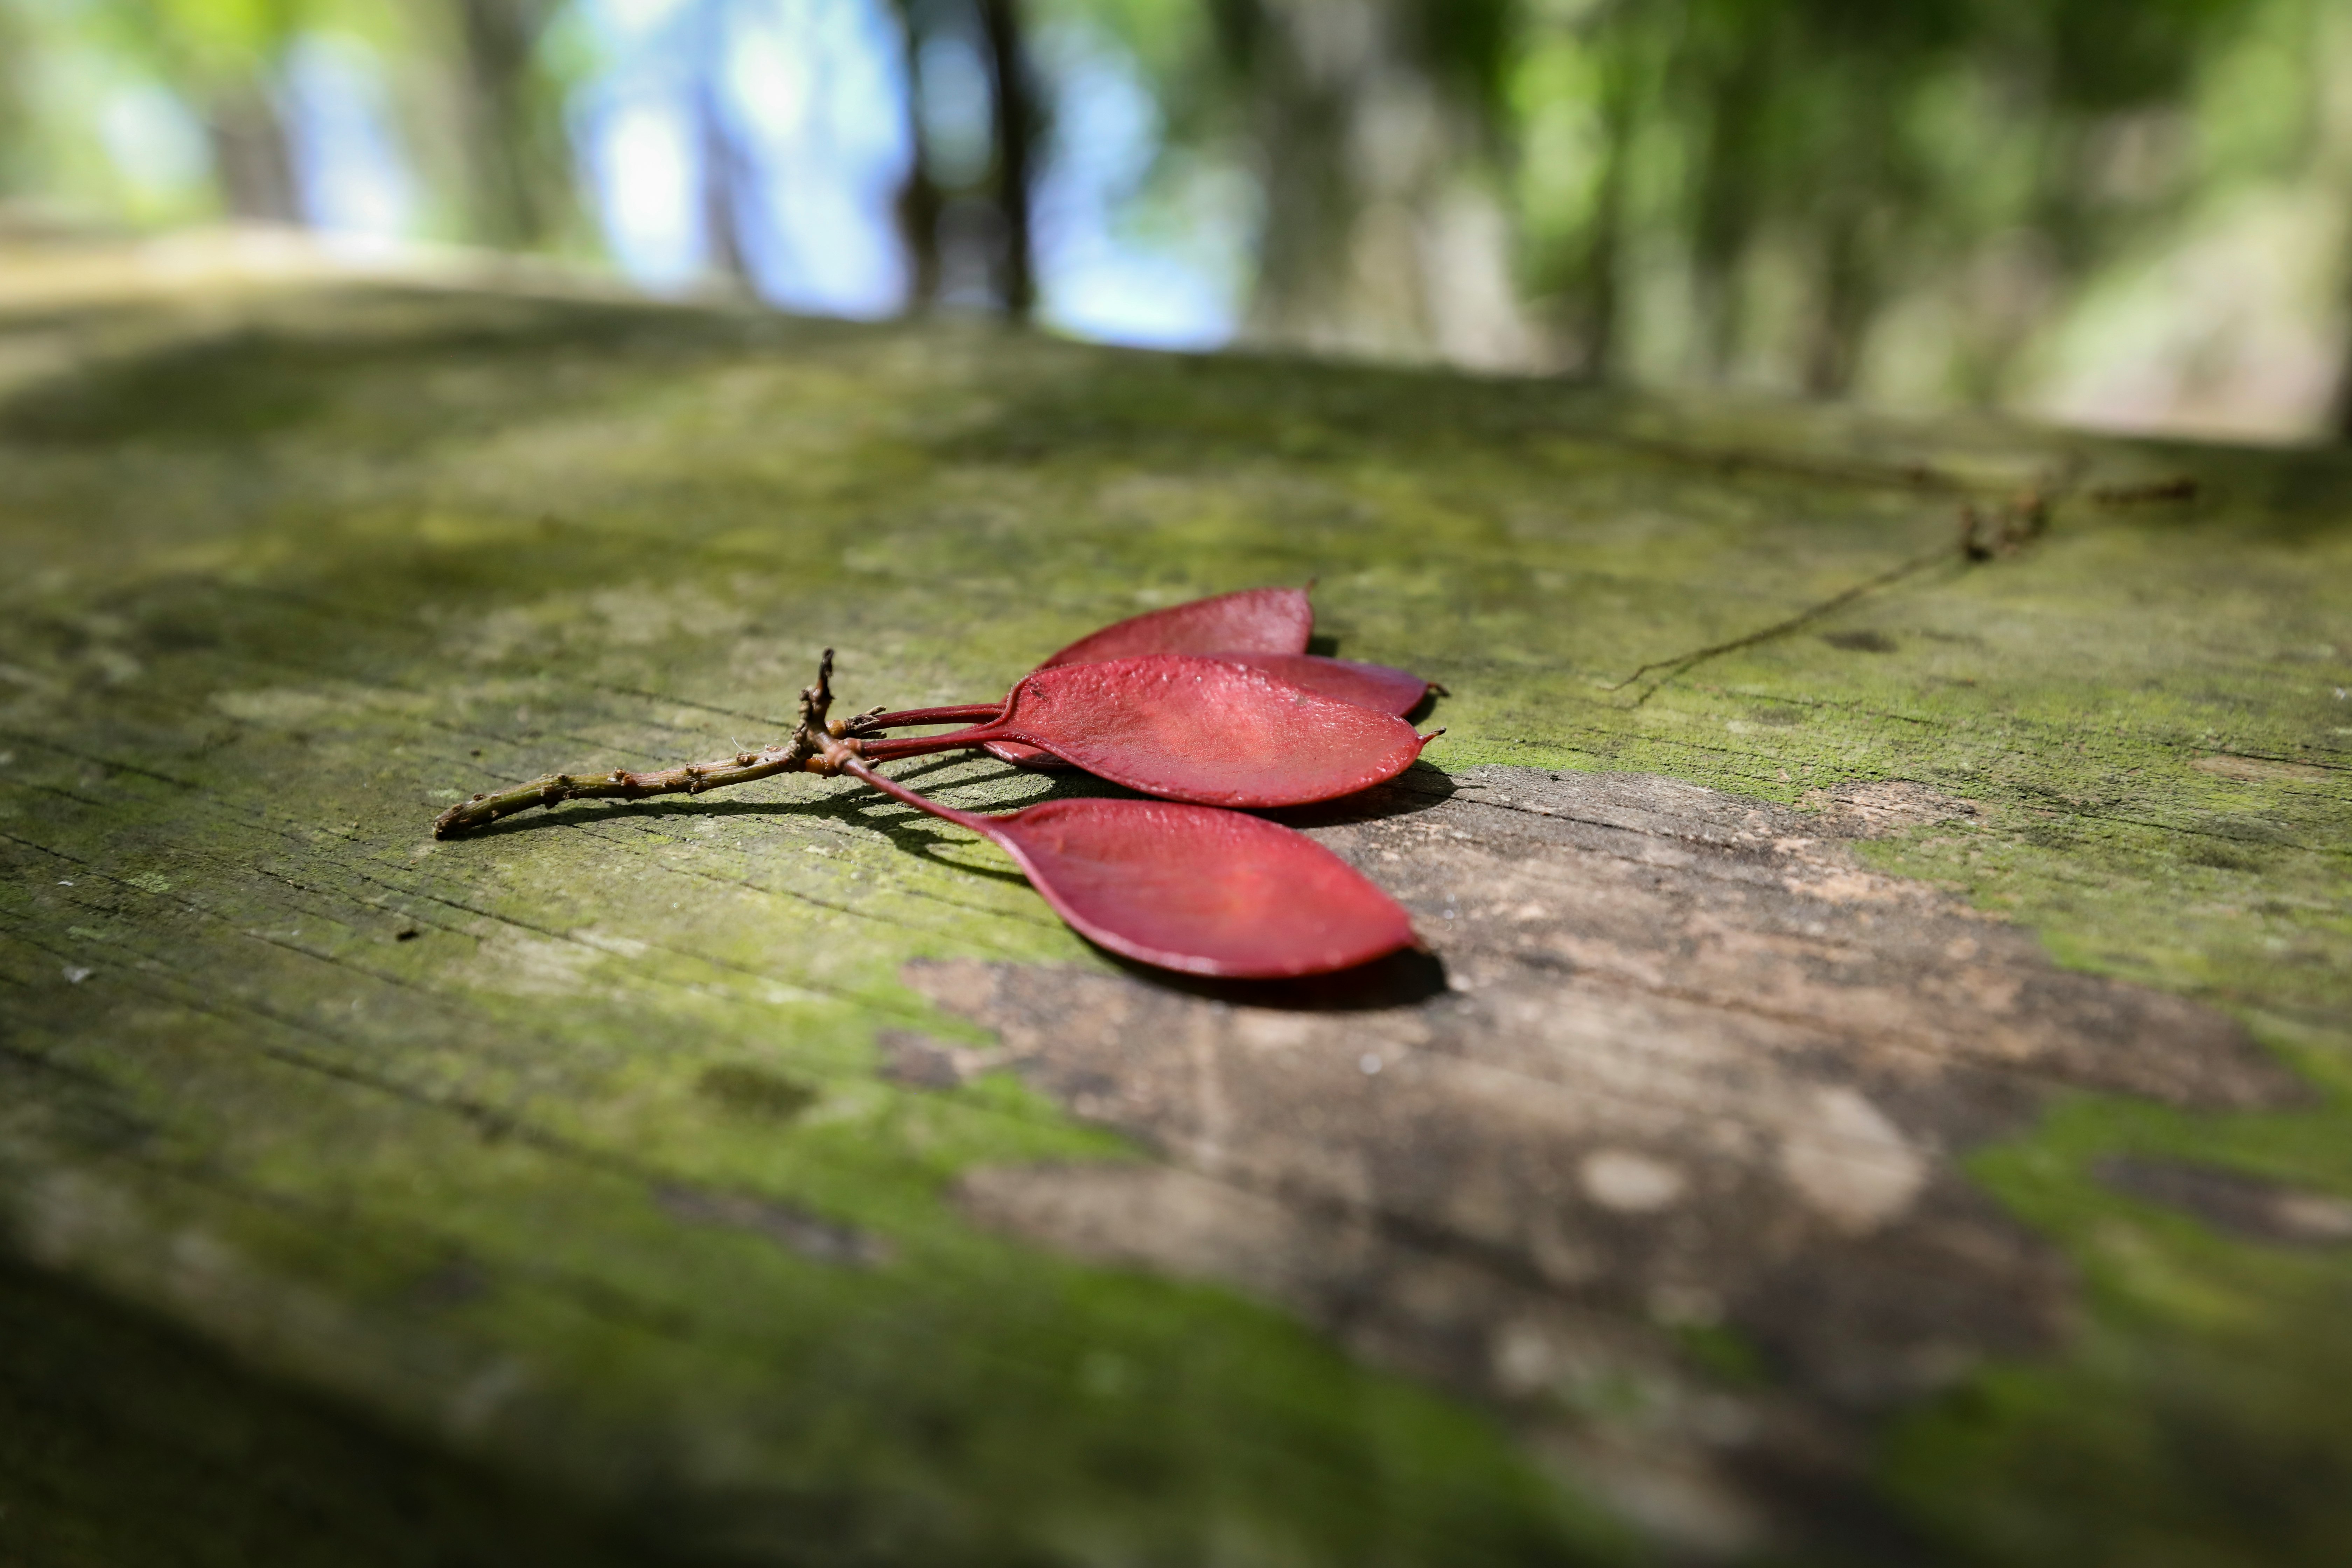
<point x="1681" y="663"/>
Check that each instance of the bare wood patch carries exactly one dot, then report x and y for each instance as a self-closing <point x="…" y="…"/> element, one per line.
<point x="1690" y="1075"/>
<point x="925" y="1061"/>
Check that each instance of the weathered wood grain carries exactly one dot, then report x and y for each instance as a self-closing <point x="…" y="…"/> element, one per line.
<point x="1874" y="1092"/>
<point x="1680" y="1065"/>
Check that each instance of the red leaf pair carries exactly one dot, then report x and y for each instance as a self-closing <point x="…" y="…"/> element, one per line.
<point x="1209" y="704"/>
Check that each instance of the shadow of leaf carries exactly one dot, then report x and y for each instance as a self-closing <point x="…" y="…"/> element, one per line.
<point x="1400" y="980"/>
<point x="1403" y="979"/>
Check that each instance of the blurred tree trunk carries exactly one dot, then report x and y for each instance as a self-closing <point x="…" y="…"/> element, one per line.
<point x="2340" y="411"/>
<point x="1299" y="113"/>
<point x="1724" y="223"/>
<point x="726" y="254"/>
<point x="2339" y="408"/>
<point x="251" y="158"/>
<point x="520" y="193"/>
<point x="1847" y="299"/>
<point x="1380" y="238"/>
<point x="919" y="208"/>
<point x="1018" y="122"/>
<point x="1595" y="298"/>
<point x="920" y="200"/>
<point x="16" y="129"/>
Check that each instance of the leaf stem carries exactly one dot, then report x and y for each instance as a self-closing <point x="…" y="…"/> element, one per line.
<point x="814" y="748"/>
<point x="967" y="713"/>
<point x="858" y="768"/>
<point x="890" y="751"/>
<point x="692" y="778"/>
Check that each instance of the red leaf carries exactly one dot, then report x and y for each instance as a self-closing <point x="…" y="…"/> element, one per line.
<point x="1190" y="888"/>
<point x="1255" y="620"/>
<point x="1022" y="756"/>
<point x="1211" y="731"/>
<point x="1265" y="628"/>
<point x="1378" y="687"/>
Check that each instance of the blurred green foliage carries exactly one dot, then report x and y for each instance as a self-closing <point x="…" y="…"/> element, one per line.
<point x="478" y="87"/>
<point x="2097" y="208"/>
<point x="2129" y="209"/>
<point x="1840" y="153"/>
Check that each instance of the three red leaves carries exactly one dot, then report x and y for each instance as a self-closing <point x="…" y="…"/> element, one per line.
<point x="1209" y="705"/>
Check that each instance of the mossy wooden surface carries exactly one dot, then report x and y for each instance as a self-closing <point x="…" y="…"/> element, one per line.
<point x="562" y="1162"/>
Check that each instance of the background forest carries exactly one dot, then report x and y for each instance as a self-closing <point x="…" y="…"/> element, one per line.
<point x="2131" y="212"/>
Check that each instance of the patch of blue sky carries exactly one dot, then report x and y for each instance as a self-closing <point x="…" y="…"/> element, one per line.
<point x="639" y="152"/>
<point x="811" y="96"/>
<point x="814" y="95"/>
<point x="1098" y="277"/>
<point x="352" y="183"/>
<point x="635" y="134"/>
<point x="155" y="146"/>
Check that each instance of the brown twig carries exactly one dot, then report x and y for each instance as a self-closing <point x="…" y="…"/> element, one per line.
<point x="2180" y="487"/>
<point x="816" y="746"/>
<point x="1811" y="613"/>
<point x="2004" y="529"/>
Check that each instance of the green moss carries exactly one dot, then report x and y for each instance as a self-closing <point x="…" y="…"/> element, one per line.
<point x="1723" y="1353"/>
<point x="2200" y="1418"/>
